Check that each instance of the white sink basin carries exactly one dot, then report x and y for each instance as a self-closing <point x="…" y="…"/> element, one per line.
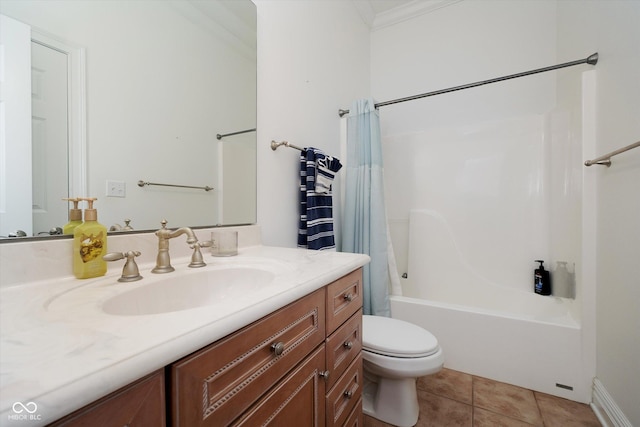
<point x="184" y="292"/>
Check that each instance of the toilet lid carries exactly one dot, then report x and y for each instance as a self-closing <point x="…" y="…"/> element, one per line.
<point x="396" y="338"/>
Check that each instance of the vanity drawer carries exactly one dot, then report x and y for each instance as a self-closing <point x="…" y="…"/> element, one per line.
<point x="344" y="297"/>
<point x="215" y="385"/>
<point x="355" y="419"/>
<point x="343" y="346"/>
<point x="298" y="400"/>
<point x="345" y="395"/>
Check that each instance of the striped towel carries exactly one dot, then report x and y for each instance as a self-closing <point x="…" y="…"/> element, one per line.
<point x="315" y="230"/>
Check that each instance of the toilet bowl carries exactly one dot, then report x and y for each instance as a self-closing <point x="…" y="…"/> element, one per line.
<point x="395" y="353"/>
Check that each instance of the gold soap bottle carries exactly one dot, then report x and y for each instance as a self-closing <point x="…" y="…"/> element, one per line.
<point x="75" y="217"/>
<point x="89" y="244"/>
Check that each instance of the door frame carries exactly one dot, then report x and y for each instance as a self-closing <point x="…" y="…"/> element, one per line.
<point x="76" y="108"/>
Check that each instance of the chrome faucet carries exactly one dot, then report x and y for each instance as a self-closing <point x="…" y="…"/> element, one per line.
<point x="163" y="260"/>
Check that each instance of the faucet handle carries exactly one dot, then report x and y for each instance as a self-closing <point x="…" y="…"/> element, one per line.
<point x="196" y="258"/>
<point x="130" y="272"/>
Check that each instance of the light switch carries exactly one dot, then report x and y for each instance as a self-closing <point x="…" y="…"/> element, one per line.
<point x="116" y="188"/>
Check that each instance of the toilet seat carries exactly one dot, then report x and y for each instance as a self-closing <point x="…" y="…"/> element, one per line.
<point x="396" y="338"/>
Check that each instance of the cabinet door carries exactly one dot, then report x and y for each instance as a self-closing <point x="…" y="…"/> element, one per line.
<point x="141" y="404"/>
<point x="297" y="401"/>
<point x="216" y="385"/>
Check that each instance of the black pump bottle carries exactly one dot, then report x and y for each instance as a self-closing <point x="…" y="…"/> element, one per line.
<point x="541" y="280"/>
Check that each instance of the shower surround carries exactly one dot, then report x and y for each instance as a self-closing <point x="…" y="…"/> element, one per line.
<point x="471" y="206"/>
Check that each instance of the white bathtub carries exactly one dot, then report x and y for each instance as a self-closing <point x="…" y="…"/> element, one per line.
<point x="537" y="350"/>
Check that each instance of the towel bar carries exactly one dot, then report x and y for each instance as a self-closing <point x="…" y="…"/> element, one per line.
<point x="275" y="145"/>
<point x="142" y="183"/>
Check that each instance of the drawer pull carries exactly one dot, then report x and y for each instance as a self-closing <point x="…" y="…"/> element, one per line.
<point x="278" y="348"/>
<point x="348" y="394"/>
<point x="324" y="374"/>
<point x="348" y="297"/>
<point x="348" y="344"/>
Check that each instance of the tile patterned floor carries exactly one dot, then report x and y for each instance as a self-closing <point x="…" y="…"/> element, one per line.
<point x="452" y="399"/>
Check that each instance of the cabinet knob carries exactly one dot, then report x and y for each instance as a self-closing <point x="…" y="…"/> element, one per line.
<point x="324" y="374"/>
<point x="278" y="348"/>
<point x="348" y="297"/>
<point x="348" y="344"/>
<point x="348" y="394"/>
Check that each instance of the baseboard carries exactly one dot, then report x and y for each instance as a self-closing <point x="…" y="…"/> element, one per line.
<point x="606" y="409"/>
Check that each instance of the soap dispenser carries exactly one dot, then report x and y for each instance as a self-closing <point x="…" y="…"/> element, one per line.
<point x="541" y="280"/>
<point x="89" y="245"/>
<point x="75" y="217"/>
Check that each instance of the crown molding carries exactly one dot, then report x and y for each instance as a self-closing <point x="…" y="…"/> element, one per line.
<point x="398" y="14"/>
<point x="365" y="11"/>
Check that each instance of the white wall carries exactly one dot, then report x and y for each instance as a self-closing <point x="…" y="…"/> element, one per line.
<point x="313" y="58"/>
<point x="613" y="29"/>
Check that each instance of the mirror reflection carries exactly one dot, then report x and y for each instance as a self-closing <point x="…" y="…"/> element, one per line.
<point x="115" y="92"/>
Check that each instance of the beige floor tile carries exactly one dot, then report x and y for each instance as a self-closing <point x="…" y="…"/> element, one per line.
<point x="505" y="399"/>
<point x="484" y="418"/>
<point x="559" y="412"/>
<point x="437" y="411"/>
<point x="451" y="399"/>
<point x="448" y="383"/>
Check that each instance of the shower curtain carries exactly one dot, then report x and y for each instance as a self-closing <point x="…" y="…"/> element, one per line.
<point x="365" y="228"/>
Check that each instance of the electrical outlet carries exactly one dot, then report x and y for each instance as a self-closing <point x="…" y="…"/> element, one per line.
<point x="116" y="188"/>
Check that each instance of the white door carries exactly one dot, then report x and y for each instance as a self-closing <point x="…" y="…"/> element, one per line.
<point x="15" y="127"/>
<point x="49" y="137"/>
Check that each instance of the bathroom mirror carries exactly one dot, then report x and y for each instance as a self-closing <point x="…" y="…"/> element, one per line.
<point x="153" y="91"/>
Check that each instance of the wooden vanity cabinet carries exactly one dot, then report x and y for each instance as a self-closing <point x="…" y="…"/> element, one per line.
<point x="140" y="404"/>
<point x="300" y="365"/>
<point x="217" y="384"/>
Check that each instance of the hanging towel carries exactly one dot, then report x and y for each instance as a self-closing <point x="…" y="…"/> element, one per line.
<point x="327" y="167"/>
<point x="315" y="230"/>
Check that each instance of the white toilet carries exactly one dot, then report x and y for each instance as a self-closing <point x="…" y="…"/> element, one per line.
<point x="395" y="354"/>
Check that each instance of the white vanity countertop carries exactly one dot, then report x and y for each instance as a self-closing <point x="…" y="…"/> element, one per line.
<point x="59" y="351"/>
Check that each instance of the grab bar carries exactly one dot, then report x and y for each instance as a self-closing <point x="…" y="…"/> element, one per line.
<point x="606" y="159"/>
<point x="142" y="183"/>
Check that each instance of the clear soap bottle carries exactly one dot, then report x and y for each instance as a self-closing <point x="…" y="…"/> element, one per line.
<point x="563" y="281"/>
<point x="89" y="245"/>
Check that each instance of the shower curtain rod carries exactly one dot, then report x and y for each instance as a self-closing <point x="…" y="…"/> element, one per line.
<point x="591" y="60"/>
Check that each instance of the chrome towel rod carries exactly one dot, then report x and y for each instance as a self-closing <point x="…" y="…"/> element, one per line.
<point x="606" y="159"/>
<point x="275" y="145"/>
<point x="142" y="183"/>
<point x="591" y="60"/>
<point x="219" y="136"/>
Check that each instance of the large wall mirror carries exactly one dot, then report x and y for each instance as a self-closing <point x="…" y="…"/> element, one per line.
<point x="117" y="92"/>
